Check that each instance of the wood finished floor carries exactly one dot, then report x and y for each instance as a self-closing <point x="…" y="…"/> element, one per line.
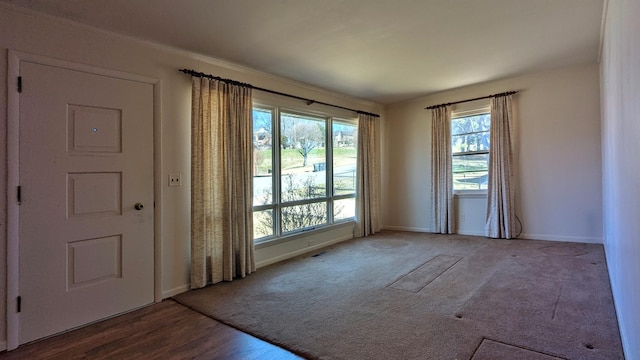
<point x="166" y="330"/>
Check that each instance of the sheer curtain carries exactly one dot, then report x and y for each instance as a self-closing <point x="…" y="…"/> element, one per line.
<point x="221" y="183"/>
<point x="367" y="207"/>
<point x="500" y="221"/>
<point x="441" y="175"/>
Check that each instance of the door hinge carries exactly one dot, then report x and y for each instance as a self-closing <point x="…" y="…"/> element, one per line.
<point x="19" y="84"/>
<point x="19" y="195"/>
<point x="19" y="303"/>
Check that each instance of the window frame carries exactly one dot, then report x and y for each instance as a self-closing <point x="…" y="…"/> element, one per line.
<point x="277" y="109"/>
<point x="468" y="110"/>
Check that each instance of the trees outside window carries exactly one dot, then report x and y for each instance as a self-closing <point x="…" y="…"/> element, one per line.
<point x="304" y="171"/>
<point x="470" y="151"/>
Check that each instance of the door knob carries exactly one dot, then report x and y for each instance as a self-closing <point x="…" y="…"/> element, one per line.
<point x="139" y="206"/>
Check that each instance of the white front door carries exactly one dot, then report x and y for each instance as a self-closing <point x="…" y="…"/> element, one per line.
<point x="85" y="161"/>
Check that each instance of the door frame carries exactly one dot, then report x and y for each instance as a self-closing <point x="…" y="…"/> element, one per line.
<point x="16" y="57"/>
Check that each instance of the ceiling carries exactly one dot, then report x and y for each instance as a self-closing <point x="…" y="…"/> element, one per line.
<point x="385" y="51"/>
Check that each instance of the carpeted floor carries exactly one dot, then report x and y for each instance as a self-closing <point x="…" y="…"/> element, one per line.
<point x="400" y="295"/>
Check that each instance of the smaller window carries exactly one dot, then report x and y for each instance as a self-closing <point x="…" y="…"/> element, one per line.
<point x="470" y="151"/>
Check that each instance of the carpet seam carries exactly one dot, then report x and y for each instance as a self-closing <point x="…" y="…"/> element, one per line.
<point x="477" y="347"/>
<point x="411" y="271"/>
<point x="555" y="306"/>
<point x="522" y="348"/>
<point x="447" y="269"/>
<point x="418" y="267"/>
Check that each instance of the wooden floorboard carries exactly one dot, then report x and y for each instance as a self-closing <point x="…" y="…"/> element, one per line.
<point x="166" y="330"/>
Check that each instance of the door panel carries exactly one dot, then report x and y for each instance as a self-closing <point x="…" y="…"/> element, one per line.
<point x="86" y="159"/>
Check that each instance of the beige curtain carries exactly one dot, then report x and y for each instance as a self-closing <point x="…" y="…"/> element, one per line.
<point x="221" y="183"/>
<point x="367" y="207"/>
<point x="500" y="221"/>
<point x="441" y="175"/>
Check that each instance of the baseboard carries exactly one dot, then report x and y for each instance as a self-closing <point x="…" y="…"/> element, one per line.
<point x="425" y="230"/>
<point x="561" y="238"/>
<point x="289" y="255"/>
<point x="175" y="291"/>
<point x="405" y="228"/>
<point x="184" y="288"/>
<point x="471" y="233"/>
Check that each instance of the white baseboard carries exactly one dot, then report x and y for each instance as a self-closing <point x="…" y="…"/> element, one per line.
<point x="184" y="288"/>
<point x="175" y="291"/>
<point x="471" y="233"/>
<point x="426" y="230"/>
<point x="289" y="255"/>
<point x="561" y="238"/>
<point x="405" y="228"/>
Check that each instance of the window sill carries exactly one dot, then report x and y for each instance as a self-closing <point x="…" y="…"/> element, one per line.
<point x="304" y="233"/>
<point x="470" y="194"/>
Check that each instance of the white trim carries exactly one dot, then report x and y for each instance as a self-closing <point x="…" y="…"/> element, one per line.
<point x="562" y="238"/>
<point x="289" y="255"/>
<point x="303" y="234"/>
<point x="471" y="233"/>
<point x="13" y="213"/>
<point x="603" y="26"/>
<point x="559" y="238"/>
<point x="175" y="291"/>
<point x="75" y="66"/>
<point x="285" y="104"/>
<point x="157" y="189"/>
<point x="406" y="228"/>
<point x="13" y="175"/>
<point x="470" y="194"/>
<point x="471" y="109"/>
<point x="425" y="230"/>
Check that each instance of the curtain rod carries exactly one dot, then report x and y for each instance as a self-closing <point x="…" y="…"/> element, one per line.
<point x="478" y="98"/>
<point x="309" y="101"/>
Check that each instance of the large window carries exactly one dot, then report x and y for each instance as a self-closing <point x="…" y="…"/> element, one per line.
<point x="303" y="173"/>
<point x="470" y="150"/>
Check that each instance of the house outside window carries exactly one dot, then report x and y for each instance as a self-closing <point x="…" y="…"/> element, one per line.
<point x="470" y="132"/>
<point x="304" y="171"/>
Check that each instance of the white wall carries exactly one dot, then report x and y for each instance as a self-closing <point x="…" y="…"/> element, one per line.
<point x="28" y="32"/>
<point x="557" y="153"/>
<point x="620" y="72"/>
